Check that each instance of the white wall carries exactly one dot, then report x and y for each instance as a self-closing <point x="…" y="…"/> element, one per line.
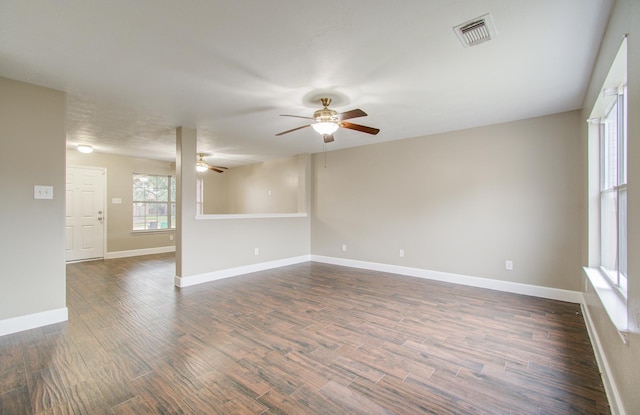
<point x="32" y="152"/>
<point x="623" y="359"/>
<point x="462" y="202"/>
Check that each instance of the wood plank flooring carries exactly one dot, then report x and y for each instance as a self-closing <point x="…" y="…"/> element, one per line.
<point x="305" y="339"/>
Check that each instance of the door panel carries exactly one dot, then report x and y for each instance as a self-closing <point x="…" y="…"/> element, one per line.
<point x="84" y="229"/>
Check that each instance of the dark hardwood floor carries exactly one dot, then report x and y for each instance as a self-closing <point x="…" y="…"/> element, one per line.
<point x="306" y="339"/>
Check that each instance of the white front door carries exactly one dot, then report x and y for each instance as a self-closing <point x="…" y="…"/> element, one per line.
<point x="85" y="213"/>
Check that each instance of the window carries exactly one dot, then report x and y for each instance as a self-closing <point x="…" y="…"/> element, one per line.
<point x="608" y="172"/>
<point x="199" y="195"/>
<point x="613" y="190"/>
<point x="154" y="202"/>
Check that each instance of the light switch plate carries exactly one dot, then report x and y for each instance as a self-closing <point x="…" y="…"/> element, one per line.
<point x="42" y="192"/>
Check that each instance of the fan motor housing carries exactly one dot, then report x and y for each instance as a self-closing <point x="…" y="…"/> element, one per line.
<point x="326" y="115"/>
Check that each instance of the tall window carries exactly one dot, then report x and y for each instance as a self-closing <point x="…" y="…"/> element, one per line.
<point x="154" y="202"/>
<point x="613" y="189"/>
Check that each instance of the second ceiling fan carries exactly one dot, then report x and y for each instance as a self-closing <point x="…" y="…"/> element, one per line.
<point x="326" y="121"/>
<point x="202" y="166"/>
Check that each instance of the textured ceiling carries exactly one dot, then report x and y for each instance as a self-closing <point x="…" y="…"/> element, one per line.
<point x="134" y="70"/>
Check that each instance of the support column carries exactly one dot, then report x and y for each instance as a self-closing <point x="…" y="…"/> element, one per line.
<point x="186" y="157"/>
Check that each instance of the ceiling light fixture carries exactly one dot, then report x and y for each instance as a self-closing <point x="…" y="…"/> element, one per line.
<point x="326" y="120"/>
<point x="85" y="148"/>
<point x="325" y="127"/>
<point x="201" y="165"/>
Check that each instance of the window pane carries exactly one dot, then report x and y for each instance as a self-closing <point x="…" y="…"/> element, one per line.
<point x="173" y="216"/>
<point x="138" y="223"/>
<point x="608" y="230"/>
<point x="622" y="239"/>
<point x="199" y="195"/>
<point x="610" y="149"/>
<point x="622" y="157"/>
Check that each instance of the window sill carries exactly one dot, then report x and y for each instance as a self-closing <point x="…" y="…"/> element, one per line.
<point x="613" y="302"/>
<point x="152" y="231"/>
<point x="252" y="216"/>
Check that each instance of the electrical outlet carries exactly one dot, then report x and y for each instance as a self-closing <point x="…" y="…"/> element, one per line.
<point x="171" y="237"/>
<point x="508" y="265"/>
<point x="256" y="251"/>
<point x="344" y="247"/>
<point x="401" y="253"/>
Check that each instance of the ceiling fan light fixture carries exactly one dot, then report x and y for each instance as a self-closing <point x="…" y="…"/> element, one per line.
<point x="201" y="167"/>
<point x="326" y="121"/>
<point x="84" y="148"/>
<point x="325" y="127"/>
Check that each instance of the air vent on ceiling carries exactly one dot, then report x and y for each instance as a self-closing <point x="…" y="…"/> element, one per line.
<point x="476" y="31"/>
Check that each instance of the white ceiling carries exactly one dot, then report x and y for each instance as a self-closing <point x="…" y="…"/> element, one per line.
<point x="134" y="70"/>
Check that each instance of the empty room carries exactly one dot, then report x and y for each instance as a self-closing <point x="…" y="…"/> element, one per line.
<point x="419" y="207"/>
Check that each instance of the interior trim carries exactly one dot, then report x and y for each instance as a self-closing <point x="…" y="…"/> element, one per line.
<point x="613" y="394"/>
<point x="32" y="321"/>
<point x="612" y="301"/>
<point x="233" y="272"/>
<point x="250" y="216"/>
<point x="499" y="285"/>
<point x="140" y="252"/>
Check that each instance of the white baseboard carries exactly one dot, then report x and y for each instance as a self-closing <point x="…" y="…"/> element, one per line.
<point x="512" y="287"/>
<point x="32" y="321"/>
<point x="613" y="394"/>
<point x="139" y="252"/>
<point x="232" y="272"/>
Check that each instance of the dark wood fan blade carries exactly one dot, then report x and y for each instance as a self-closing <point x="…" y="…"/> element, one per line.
<point x="294" y="129"/>
<point x="328" y="138"/>
<point x="352" y="114"/>
<point x="220" y="167"/>
<point x="214" y="168"/>
<point x="361" y="128"/>
<point x="296" y="116"/>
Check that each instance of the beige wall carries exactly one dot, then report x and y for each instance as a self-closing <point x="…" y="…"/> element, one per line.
<point x="462" y="202"/>
<point x="119" y="185"/>
<point x="268" y="187"/>
<point x="208" y="245"/>
<point x="623" y="359"/>
<point x="215" y="188"/>
<point x="32" y="142"/>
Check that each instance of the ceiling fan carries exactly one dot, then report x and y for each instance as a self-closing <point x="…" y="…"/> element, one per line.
<point x="202" y="166"/>
<point x="326" y="121"/>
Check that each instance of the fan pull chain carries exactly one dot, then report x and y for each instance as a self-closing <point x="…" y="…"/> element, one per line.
<point x="324" y="145"/>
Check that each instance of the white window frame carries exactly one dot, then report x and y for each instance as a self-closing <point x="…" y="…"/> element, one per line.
<point x="613" y="182"/>
<point x="605" y="270"/>
<point x="170" y="204"/>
